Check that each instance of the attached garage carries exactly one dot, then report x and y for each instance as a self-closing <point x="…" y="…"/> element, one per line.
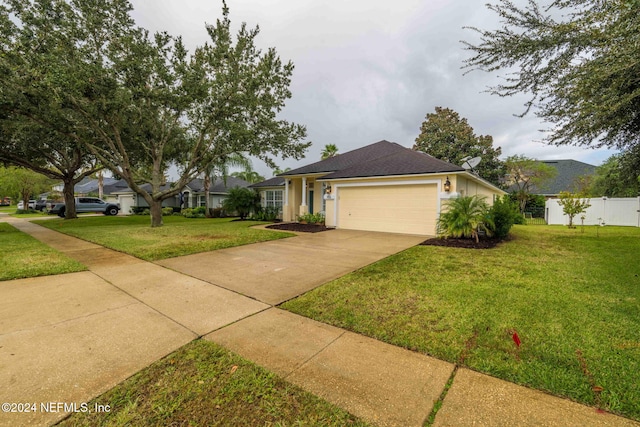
<point x="410" y="208"/>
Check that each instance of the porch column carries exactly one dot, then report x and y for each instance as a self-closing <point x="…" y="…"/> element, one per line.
<point x="303" y="206"/>
<point x="304" y="191"/>
<point x="286" y="213"/>
<point x="286" y="192"/>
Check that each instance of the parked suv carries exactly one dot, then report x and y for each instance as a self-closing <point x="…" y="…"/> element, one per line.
<point x="86" y="204"/>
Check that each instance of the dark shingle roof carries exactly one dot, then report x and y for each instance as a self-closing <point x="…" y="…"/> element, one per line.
<point x="565" y="180"/>
<point x="196" y="185"/>
<point x="383" y="158"/>
<point x="119" y="185"/>
<point x="271" y="182"/>
<point x="219" y="185"/>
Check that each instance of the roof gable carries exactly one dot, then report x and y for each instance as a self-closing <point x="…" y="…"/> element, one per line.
<point x="382" y="158"/>
<point x="568" y="172"/>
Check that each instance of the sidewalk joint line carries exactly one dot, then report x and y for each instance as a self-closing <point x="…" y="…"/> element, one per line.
<point x="86" y="316"/>
<point x="313" y="356"/>
<point x="437" y="405"/>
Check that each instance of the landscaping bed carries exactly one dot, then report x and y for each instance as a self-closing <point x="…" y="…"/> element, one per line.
<point x="483" y="243"/>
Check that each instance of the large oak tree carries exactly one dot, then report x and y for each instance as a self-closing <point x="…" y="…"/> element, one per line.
<point x="447" y="136"/>
<point x="578" y="62"/>
<point x="139" y="102"/>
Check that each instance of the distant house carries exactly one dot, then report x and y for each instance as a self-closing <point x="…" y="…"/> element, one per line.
<point x="90" y="185"/>
<point x="193" y="194"/>
<point x="569" y="171"/>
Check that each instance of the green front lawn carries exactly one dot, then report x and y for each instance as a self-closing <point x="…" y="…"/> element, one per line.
<point x="203" y="384"/>
<point x="573" y="297"/>
<point x="179" y="236"/>
<point x="23" y="256"/>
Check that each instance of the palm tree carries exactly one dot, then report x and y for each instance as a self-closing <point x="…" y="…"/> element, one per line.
<point x="249" y="175"/>
<point x="464" y="217"/>
<point x="221" y="169"/>
<point x="329" y="150"/>
<point x="278" y="171"/>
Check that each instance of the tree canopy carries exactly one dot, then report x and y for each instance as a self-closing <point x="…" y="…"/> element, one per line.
<point x="140" y="102"/>
<point x="447" y="136"/>
<point x="524" y="175"/>
<point x="22" y="184"/>
<point x="578" y="62"/>
<point x="618" y="176"/>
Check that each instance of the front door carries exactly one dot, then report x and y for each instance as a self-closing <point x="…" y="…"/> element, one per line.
<point x="310" y="201"/>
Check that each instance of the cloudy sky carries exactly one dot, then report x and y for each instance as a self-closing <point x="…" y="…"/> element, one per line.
<point x="367" y="70"/>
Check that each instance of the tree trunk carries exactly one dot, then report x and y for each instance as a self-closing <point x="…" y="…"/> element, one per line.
<point x="206" y="185"/>
<point x="69" y="200"/>
<point x="155" y="207"/>
<point x="100" y="184"/>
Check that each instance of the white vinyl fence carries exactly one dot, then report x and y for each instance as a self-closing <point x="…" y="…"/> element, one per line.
<point x="603" y="211"/>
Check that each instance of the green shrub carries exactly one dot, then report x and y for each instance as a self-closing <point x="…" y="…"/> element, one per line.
<point x="217" y="213"/>
<point x="269" y="213"/>
<point x="504" y="214"/>
<point x="193" y="213"/>
<point x="139" y="210"/>
<point x="316" y="218"/>
<point x="200" y="210"/>
<point x="167" y="211"/>
<point x="465" y="217"/>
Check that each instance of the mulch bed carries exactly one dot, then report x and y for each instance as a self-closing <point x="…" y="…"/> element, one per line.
<point x="294" y="226"/>
<point x="485" y="243"/>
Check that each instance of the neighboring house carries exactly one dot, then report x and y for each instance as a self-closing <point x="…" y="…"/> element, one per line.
<point x="569" y="172"/>
<point x="380" y="187"/>
<point x="193" y="195"/>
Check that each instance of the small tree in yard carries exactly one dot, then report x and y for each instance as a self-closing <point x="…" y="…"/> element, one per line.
<point x="241" y="201"/>
<point x="572" y="205"/>
<point x="464" y="217"/>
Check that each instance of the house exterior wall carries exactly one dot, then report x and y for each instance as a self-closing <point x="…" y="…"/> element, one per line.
<point x="467" y="187"/>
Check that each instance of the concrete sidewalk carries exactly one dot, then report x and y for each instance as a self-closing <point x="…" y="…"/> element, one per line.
<point x="69" y="338"/>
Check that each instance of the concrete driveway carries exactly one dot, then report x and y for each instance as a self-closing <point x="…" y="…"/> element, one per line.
<point x="276" y="271"/>
<point x="70" y="337"/>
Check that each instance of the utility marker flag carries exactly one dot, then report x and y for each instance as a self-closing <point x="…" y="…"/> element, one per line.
<point x="516" y="338"/>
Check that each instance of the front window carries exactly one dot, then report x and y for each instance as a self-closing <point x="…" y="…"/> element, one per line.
<point x="273" y="198"/>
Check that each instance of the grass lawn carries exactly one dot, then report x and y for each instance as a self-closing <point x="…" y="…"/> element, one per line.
<point x="572" y="296"/>
<point x="204" y="384"/>
<point x="179" y="235"/>
<point x="23" y="256"/>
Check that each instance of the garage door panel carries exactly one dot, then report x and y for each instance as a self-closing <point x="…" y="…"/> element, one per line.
<point x="396" y="208"/>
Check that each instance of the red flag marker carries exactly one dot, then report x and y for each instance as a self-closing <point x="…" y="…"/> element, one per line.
<point x="516" y="338"/>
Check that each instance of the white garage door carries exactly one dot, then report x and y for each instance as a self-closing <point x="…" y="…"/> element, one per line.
<point x="409" y="209"/>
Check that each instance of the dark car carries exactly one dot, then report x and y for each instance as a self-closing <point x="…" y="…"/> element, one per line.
<point x="42" y="204"/>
